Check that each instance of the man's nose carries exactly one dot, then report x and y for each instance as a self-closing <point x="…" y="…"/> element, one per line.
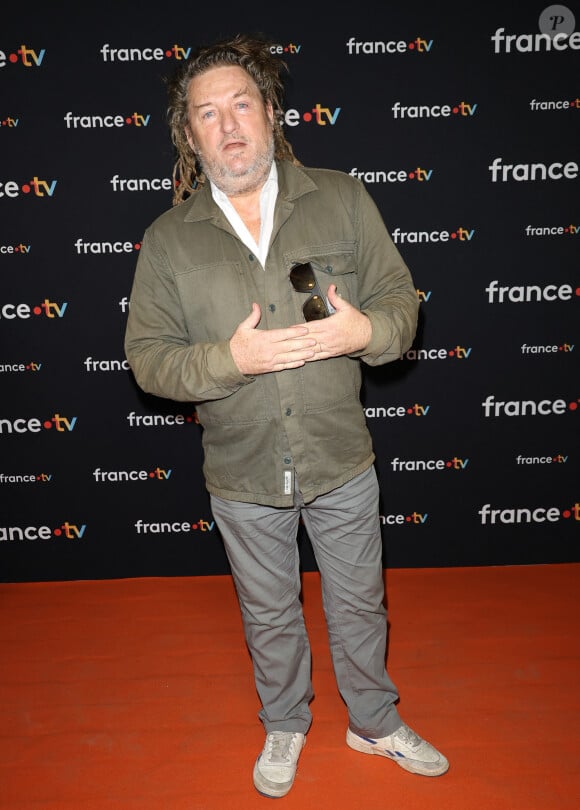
<point x="229" y="121"/>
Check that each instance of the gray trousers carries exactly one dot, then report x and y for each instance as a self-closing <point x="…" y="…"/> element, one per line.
<point x="344" y="530"/>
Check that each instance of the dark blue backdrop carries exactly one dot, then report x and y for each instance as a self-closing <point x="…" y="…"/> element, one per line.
<point x="464" y="128"/>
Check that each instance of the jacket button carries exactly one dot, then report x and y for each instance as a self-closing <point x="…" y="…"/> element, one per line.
<point x="288" y="411"/>
<point x="329" y="268"/>
<point x="287" y="460"/>
<point x="251" y="257"/>
<point x="272" y="307"/>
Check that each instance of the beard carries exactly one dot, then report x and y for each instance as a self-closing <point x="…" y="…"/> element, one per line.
<point x="234" y="182"/>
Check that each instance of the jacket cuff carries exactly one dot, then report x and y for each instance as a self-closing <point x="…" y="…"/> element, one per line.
<point x="376" y="346"/>
<point x="222" y="367"/>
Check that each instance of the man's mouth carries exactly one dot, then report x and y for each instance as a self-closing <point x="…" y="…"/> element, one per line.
<point x="233" y="145"/>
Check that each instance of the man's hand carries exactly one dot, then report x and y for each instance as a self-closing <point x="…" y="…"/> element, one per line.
<point x="258" y="351"/>
<point x="347" y="331"/>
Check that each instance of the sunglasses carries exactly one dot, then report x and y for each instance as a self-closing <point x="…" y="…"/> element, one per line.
<point x="303" y="280"/>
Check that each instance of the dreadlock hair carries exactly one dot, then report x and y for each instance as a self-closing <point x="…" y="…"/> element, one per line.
<point x="255" y="57"/>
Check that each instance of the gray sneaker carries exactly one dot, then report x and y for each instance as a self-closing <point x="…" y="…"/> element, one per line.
<point x="275" y="768"/>
<point x="405" y="747"/>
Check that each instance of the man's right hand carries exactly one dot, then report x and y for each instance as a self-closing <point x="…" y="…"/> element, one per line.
<point x="258" y="351"/>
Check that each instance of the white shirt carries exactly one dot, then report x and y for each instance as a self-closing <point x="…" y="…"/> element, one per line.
<point x="268" y="196"/>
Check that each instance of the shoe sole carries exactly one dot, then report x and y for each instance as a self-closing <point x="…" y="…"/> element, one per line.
<point x="357" y="744"/>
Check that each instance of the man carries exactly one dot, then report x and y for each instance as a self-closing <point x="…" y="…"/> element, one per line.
<point x="257" y="297"/>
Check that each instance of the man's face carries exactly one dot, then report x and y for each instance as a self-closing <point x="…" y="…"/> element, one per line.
<point x="230" y="129"/>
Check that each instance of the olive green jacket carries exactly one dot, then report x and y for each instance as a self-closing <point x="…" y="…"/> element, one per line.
<point x="195" y="282"/>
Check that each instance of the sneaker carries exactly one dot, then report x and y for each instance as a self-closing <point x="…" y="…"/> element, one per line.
<point x="405" y="747"/>
<point x="275" y="768"/>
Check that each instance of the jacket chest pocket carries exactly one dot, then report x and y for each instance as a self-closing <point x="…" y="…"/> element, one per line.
<point x="339" y="269"/>
<point x="215" y="299"/>
<point x="332" y="264"/>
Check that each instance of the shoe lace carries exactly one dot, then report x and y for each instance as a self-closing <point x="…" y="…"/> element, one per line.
<point x="408" y="736"/>
<point x="278" y="747"/>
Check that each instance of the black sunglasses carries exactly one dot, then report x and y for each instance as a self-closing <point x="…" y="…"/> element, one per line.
<point x="303" y="280"/>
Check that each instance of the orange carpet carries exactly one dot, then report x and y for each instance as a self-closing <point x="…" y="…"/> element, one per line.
<point x="138" y="695"/>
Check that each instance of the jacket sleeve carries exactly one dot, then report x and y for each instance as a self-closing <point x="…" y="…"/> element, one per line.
<point x="387" y="293"/>
<point x="159" y="350"/>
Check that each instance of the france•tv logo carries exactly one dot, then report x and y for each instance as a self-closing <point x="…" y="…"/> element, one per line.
<point x="462" y="109"/>
<point x="457" y="352"/>
<point x="355" y="47"/>
<point x="33" y="366"/>
<point x="556" y="25"/>
<point x="290" y="48"/>
<point x="518" y="514"/>
<point x="117" y="476"/>
<point x="493" y="407"/>
<point x="178" y="52"/>
<point x="106" y="121"/>
<point x="552" y="230"/>
<point x="460" y="234"/>
<point x="84" y="247"/>
<point x="428" y="465"/>
<point x="21" y="249"/>
<point x="531" y="172"/>
<point x="27" y="57"/>
<point x="412" y="519"/>
<point x="552" y="458"/>
<point x="57" y="422"/>
<point x="390" y="411"/>
<point x="67" y="530"/>
<point x="530" y="293"/>
<point x="19" y="478"/>
<point x="35" y="187"/>
<point x="318" y="114"/>
<point x="418" y="174"/>
<point x="548" y="348"/>
<point x="161" y="419"/>
<point x="47" y="308"/>
<point x="173" y="527"/>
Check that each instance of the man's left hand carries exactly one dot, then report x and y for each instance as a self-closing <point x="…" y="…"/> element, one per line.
<point x="344" y="332"/>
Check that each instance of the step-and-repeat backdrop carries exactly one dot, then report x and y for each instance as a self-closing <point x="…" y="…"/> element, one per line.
<point x="463" y="123"/>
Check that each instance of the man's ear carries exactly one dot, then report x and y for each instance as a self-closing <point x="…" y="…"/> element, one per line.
<point x="189" y="137"/>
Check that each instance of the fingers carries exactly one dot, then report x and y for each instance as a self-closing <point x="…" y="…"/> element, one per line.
<point x="291" y="333"/>
<point x="283" y="357"/>
<point x="273" y="335"/>
<point x="347" y="331"/>
<point x="253" y="318"/>
<point x="292" y="360"/>
<point x="294" y="350"/>
<point x="336" y="300"/>
<point x="258" y="351"/>
<point x="334" y="297"/>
